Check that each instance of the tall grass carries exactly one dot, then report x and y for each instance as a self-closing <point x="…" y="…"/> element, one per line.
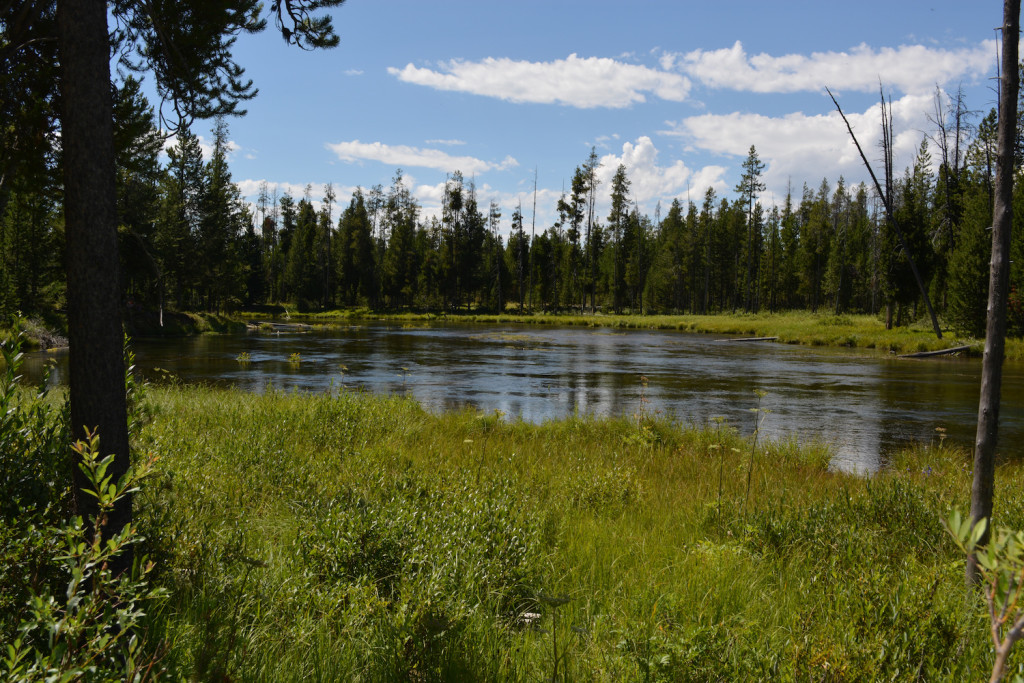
<point x="359" y="537"/>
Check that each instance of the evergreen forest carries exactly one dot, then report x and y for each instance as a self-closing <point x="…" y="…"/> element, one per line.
<point x="189" y="241"/>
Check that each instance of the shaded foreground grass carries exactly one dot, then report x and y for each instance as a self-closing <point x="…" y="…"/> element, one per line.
<point x="359" y="537"/>
<point x="791" y="327"/>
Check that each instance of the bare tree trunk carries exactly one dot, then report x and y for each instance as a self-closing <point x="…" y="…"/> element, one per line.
<point x="999" y="281"/>
<point x="533" y="234"/>
<point x="97" y="388"/>
<point x="887" y="199"/>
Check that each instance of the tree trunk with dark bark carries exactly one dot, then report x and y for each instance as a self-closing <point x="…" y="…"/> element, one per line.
<point x="999" y="280"/>
<point x="97" y="387"/>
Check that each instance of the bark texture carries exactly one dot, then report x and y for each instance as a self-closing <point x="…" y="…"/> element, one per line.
<point x="97" y="387"/>
<point x="983" y="488"/>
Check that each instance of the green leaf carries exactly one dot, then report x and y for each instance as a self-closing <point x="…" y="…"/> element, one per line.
<point x="978" y="531"/>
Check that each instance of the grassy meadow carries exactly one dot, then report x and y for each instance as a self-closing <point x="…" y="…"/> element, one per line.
<point x="358" y="537"/>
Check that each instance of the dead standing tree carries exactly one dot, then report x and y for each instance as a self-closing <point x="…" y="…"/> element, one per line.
<point x="886" y="196"/>
<point x="983" y="486"/>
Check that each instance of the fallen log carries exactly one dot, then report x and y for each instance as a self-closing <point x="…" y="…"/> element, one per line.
<point x="941" y="352"/>
<point x="742" y="339"/>
<point x="260" y="324"/>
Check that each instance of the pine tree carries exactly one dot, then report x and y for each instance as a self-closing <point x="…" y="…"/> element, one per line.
<point x="355" y="252"/>
<point x="968" y="265"/>
<point x="749" y="187"/>
<point x="137" y="145"/>
<point x="517" y="253"/>
<point x="618" y="219"/>
<point x="302" y="281"/>
<point x="180" y="214"/>
<point x="471" y="247"/>
<point x="402" y="259"/>
<point x="572" y="214"/>
<point x="224" y="219"/>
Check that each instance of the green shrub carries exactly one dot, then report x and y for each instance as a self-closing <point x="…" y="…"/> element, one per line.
<point x="92" y="629"/>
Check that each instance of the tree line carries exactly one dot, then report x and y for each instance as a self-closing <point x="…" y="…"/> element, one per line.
<point x="189" y="241"/>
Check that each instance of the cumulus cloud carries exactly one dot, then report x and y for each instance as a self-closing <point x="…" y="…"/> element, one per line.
<point x="908" y="68"/>
<point x="250" y="190"/>
<point x="584" y="82"/>
<point x="651" y="182"/>
<point x="405" y="157"/>
<point x="205" y="146"/>
<point x="804" y="147"/>
<point x="430" y="197"/>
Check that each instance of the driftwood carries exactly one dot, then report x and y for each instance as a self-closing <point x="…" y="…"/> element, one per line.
<point x="278" y="326"/>
<point x="748" y="339"/>
<point x="941" y="352"/>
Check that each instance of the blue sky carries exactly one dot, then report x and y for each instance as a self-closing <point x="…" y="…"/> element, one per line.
<point x="677" y="91"/>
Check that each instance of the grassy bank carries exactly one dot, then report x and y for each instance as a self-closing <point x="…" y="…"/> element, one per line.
<point x="34" y="333"/>
<point x="361" y="538"/>
<point x="791" y="327"/>
<point x="149" y="323"/>
<point x="41" y="334"/>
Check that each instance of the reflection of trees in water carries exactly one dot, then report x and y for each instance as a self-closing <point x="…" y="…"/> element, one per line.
<point x="863" y="405"/>
<point x="919" y="396"/>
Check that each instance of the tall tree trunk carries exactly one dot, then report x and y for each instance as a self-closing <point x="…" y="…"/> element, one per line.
<point x="999" y="280"/>
<point x="97" y="388"/>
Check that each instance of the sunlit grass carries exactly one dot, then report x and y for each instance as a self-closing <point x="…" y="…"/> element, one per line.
<point x="360" y="537"/>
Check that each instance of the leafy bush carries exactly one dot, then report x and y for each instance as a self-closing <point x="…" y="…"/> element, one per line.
<point x="35" y="478"/>
<point x="62" y="612"/>
<point x="93" y="628"/>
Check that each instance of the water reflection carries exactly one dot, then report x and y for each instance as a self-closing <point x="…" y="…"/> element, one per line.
<point x="864" y="405"/>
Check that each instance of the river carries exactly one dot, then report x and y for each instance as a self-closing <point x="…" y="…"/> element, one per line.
<point x="862" y="403"/>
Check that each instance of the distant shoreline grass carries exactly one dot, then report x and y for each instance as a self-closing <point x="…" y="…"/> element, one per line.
<point x="858" y="331"/>
<point x="318" y="537"/>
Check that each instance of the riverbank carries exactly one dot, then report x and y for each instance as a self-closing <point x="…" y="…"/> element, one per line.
<point x="149" y="323"/>
<point x="40" y="335"/>
<point x="34" y="334"/>
<point x="790" y="327"/>
<point x="359" y="537"/>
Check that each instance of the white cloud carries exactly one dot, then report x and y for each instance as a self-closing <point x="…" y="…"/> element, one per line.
<point x="603" y="141"/>
<point x="404" y="156"/>
<point x="908" y="68"/>
<point x="806" y="148"/>
<point x="205" y="146"/>
<point x="430" y="198"/>
<point x="353" y="72"/>
<point x="445" y="142"/>
<point x="579" y="82"/>
<point x="250" y="190"/>
<point x="650" y="182"/>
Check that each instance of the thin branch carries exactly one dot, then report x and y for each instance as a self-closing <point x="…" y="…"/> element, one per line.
<point x="887" y="201"/>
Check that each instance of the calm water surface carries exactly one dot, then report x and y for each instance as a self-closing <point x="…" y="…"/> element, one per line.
<point x="865" y="405"/>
